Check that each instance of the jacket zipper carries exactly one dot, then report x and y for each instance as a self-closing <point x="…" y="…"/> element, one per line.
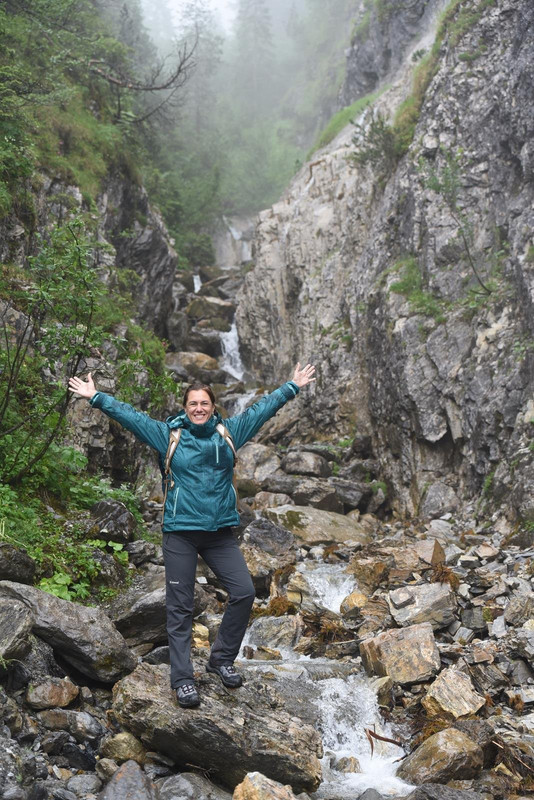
<point x="176" y="493"/>
<point x="216" y="453"/>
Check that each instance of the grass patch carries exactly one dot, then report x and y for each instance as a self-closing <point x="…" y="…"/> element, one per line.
<point x="410" y="285"/>
<point x="341" y="119"/>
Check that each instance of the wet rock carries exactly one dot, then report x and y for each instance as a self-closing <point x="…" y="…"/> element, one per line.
<point x="447" y="755"/>
<point x="123" y="747"/>
<point x="409" y="655"/>
<point x="317" y="493"/>
<point x="54" y="693"/>
<point x="210" y="307"/>
<point x="190" y="786"/>
<point x="430" y="602"/>
<point x="257" y="787"/>
<point x="85" y="637"/>
<point x="15" y="564"/>
<point x="262" y="565"/>
<point x="452" y="694"/>
<point x="348" y="764"/>
<point x="313" y="526"/>
<point x="371" y="794"/>
<point x="113" y="522"/>
<point x="352" y="605"/>
<point x="129" y="782"/>
<point x="275" y="631"/>
<point x="375" y="616"/>
<point x="239" y="741"/>
<point x="306" y="463"/>
<point x="80" y="724"/>
<point x="16" y="621"/>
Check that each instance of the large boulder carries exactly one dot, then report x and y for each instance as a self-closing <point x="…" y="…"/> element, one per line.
<point x="314" y="526"/>
<point x="452" y="695"/>
<point x="113" y="522"/>
<point x="318" y="493"/>
<point x="257" y="787"/>
<point x="409" y="655"/>
<point x="227" y="739"/>
<point x="256" y="462"/>
<point x="306" y="463"/>
<point x="209" y="307"/>
<point x="190" y="786"/>
<point x="445" y="756"/>
<point x="85" y="637"/>
<point x="129" y="783"/>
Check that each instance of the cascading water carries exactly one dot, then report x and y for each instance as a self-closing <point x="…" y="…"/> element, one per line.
<point x="231" y="360"/>
<point x="346" y="705"/>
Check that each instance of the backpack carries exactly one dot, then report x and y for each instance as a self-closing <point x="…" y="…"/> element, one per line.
<point x="174" y="439"/>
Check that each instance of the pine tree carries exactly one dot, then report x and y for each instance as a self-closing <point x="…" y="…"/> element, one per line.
<point x="254" y="62"/>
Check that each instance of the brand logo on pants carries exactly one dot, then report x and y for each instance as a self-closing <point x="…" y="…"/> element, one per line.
<point x="174" y="581"/>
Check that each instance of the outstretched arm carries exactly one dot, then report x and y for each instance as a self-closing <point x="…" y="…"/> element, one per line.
<point x="148" y="430"/>
<point x="246" y="425"/>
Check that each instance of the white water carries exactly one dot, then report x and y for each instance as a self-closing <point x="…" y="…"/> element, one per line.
<point x="231" y="359"/>
<point x="197" y="283"/>
<point x="346" y="707"/>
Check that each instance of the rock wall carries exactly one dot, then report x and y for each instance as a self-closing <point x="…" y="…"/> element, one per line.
<point x="442" y="380"/>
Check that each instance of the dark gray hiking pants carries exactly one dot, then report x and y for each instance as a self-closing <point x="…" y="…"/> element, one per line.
<point x="220" y="551"/>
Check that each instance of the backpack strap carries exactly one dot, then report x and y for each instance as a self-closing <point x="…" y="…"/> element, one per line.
<point x="174" y="439"/>
<point x="225" y="433"/>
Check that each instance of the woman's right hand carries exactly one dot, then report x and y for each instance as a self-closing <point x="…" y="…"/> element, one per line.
<point x="84" y="388"/>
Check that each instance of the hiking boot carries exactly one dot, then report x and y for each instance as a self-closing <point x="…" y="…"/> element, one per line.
<point x="187" y="695"/>
<point x="227" y="673"/>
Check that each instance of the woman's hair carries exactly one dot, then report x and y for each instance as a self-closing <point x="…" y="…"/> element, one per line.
<point x="197" y="386"/>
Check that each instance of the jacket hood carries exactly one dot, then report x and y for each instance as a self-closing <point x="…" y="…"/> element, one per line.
<point x="181" y="420"/>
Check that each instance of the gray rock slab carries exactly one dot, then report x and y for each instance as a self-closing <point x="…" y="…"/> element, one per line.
<point x="431" y="602"/>
<point x="85" y="637"/>
<point x="409" y="655"/>
<point x="15" y="565"/>
<point x="229" y="734"/>
<point x="437" y="791"/>
<point x="16" y="621"/>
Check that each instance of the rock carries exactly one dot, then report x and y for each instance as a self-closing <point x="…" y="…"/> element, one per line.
<point x="439" y="499"/>
<point x="123" y="747"/>
<point x="194" y="363"/>
<point x="16" y="621"/>
<point x="430" y="602"/>
<point x="140" y="551"/>
<point x="313" y="526"/>
<point x="350" y="492"/>
<point x="209" y="307"/>
<point x="407" y="656"/>
<point x="15" y="564"/>
<point x="228" y="740"/>
<point x="317" y="493"/>
<point x="452" y="693"/>
<point x="83" y="785"/>
<point x="85" y="637"/>
<point x="430" y="552"/>
<point x="257" y="787"/>
<point x="256" y="462"/>
<point x="80" y="724"/>
<point x="113" y="522"/>
<point x="352" y="605"/>
<point x="264" y="500"/>
<point x="348" y="764"/>
<point x="519" y="609"/>
<point x="275" y="631"/>
<point x="190" y="786"/>
<point x="262" y="565"/>
<point x="269" y="537"/>
<point x="369" y="572"/>
<point x="447" y="755"/>
<point x="54" y="693"/>
<point x="306" y="463"/>
<point x="437" y="791"/>
<point x="129" y="782"/>
<point x="106" y="768"/>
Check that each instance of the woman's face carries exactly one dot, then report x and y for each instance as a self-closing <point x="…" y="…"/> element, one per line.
<point x="199" y="407"/>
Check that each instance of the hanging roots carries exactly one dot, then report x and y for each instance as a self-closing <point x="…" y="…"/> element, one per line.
<point x="444" y="574"/>
<point x="277" y="607"/>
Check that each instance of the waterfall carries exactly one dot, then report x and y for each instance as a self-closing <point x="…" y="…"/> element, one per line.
<point x="346" y="706"/>
<point x="231" y="359"/>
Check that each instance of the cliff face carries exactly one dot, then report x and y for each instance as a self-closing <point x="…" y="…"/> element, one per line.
<point x="374" y="279"/>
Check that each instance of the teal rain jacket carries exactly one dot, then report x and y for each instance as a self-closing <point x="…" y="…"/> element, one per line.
<point x="203" y="497"/>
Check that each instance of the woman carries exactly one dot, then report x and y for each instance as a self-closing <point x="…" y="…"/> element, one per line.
<point x="200" y="510"/>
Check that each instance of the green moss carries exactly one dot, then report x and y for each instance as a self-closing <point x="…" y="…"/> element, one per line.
<point x="530" y="254"/>
<point x="293" y="520"/>
<point x="411" y="286"/>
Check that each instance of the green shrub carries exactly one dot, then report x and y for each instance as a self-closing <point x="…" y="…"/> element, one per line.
<point x="341" y="119"/>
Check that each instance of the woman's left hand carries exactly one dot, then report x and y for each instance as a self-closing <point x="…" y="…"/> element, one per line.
<point x="303" y="376"/>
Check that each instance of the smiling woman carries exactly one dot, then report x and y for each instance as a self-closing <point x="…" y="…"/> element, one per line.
<point x="199" y="512"/>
